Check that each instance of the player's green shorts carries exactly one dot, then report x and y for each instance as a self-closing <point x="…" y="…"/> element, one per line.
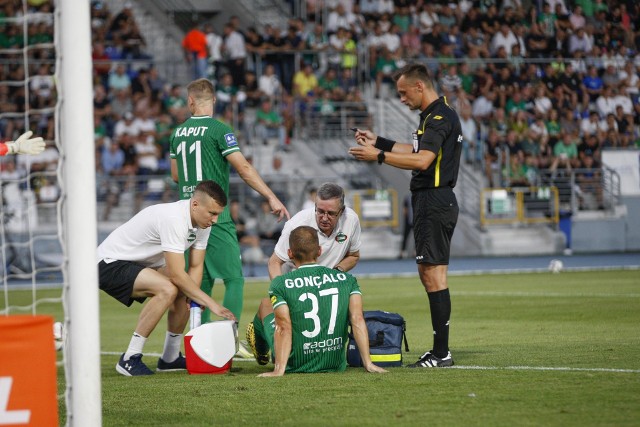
<point x="266" y="329"/>
<point x="222" y="260"/>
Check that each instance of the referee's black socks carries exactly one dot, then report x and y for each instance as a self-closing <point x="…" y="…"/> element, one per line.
<point x="440" y="305"/>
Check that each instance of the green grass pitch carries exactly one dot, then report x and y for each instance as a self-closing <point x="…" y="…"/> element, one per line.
<point x="530" y="349"/>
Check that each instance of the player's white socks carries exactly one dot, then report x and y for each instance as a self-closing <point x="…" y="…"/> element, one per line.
<point x="135" y="346"/>
<point x="171" y="348"/>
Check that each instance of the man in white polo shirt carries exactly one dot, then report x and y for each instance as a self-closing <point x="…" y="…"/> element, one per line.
<point x="144" y="258"/>
<point x="338" y="232"/>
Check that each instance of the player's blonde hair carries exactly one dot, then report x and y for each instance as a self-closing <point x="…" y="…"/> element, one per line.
<point x="201" y="90"/>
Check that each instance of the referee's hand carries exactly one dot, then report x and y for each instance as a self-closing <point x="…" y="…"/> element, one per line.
<point x="365" y="137"/>
<point x="366" y="152"/>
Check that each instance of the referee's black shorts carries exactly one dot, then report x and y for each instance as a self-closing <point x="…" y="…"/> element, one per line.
<point x="117" y="278"/>
<point x="435" y="214"/>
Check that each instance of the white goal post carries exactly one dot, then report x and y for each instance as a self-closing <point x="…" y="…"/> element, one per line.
<point x="84" y="403"/>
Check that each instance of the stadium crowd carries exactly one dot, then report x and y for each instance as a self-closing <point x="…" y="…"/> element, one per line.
<point x="538" y="85"/>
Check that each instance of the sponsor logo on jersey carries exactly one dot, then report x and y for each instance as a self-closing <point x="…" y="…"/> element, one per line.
<point x="330" y="344"/>
<point x="341" y="237"/>
<point x="187" y="190"/>
<point x="437" y="117"/>
<point x="231" y="140"/>
<point x="273" y="299"/>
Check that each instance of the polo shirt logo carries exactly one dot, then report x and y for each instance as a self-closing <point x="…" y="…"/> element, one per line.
<point x="341" y="237"/>
<point x="192" y="236"/>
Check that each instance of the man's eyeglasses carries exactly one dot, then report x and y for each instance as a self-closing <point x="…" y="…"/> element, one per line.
<point x="330" y="214"/>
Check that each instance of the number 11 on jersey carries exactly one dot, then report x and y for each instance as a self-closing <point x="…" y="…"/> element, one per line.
<point x="184" y="151"/>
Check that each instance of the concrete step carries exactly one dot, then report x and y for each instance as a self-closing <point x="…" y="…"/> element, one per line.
<point x="379" y="243"/>
<point x="533" y="240"/>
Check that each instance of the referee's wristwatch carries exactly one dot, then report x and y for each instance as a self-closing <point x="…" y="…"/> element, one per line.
<point x="380" y="157"/>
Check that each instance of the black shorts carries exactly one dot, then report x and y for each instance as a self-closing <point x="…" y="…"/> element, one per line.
<point x="117" y="278"/>
<point x="435" y="214"/>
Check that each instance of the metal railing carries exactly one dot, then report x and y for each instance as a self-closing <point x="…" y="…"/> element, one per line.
<point x="520" y="205"/>
<point x="584" y="189"/>
<point x="377" y="208"/>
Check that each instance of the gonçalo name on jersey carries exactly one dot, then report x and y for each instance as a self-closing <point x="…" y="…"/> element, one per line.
<point x="317" y="281"/>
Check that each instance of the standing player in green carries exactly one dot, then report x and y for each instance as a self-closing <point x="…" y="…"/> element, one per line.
<point x="203" y="148"/>
<point x="305" y="322"/>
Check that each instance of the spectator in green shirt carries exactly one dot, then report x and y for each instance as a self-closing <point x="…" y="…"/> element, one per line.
<point x="565" y="153"/>
<point x="269" y="124"/>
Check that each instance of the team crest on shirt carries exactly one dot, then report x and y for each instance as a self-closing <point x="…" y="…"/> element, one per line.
<point x="231" y="140"/>
<point x="192" y="236"/>
<point x="341" y="237"/>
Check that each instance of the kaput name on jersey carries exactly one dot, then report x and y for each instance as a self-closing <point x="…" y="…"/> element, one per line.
<point x="191" y="131"/>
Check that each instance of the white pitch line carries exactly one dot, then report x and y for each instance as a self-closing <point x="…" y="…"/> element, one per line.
<point x="470" y="367"/>
<point x="540" y="294"/>
<point x="545" y="368"/>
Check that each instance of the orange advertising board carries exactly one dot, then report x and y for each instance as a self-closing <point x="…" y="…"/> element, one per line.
<point x="28" y="388"/>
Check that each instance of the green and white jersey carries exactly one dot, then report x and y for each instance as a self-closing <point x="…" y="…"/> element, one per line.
<point x="200" y="146"/>
<point x="318" y="300"/>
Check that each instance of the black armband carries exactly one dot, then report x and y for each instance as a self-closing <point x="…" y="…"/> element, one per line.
<point x="384" y="144"/>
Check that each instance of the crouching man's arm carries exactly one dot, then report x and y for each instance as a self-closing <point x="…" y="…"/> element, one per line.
<point x="189" y="284"/>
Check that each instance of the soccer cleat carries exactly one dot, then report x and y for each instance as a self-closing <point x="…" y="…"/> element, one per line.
<point x="133" y="367"/>
<point x="180" y="364"/>
<point x="261" y="358"/>
<point x="429" y="360"/>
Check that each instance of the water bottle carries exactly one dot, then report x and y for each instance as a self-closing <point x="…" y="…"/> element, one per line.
<point x="195" y="315"/>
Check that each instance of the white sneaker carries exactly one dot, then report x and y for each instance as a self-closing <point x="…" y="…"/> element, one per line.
<point x="243" y="351"/>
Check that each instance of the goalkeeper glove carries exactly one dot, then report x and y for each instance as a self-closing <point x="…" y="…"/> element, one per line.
<point x="26" y="145"/>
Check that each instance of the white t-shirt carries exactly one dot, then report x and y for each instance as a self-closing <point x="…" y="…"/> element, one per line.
<point x="625" y="102"/>
<point x="345" y="238"/>
<point x="269" y="84"/>
<point x="165" y="227"/>
<point x="235" y="46"/>
<point x="215" y="43"/>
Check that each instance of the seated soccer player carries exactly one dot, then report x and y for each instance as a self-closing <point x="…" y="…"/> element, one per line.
<point x="304" y="323"/>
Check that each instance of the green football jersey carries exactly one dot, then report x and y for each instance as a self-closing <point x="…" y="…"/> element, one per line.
<point x="318" y="301"/>
<point x="200" y="146"/>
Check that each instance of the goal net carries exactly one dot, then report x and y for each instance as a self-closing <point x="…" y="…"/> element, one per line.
<point x="47" y="210"/>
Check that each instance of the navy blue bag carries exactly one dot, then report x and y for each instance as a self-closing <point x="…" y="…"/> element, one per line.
<point x="386" y="333"/>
